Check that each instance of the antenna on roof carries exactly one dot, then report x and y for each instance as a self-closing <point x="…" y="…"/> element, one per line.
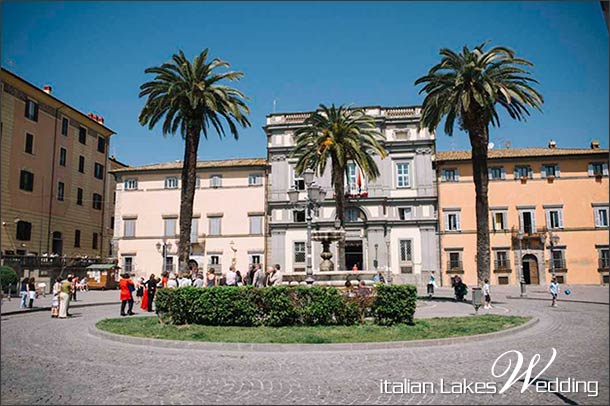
<point x="507" y="144"/>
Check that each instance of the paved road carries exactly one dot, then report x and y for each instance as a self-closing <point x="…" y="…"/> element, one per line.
<point x="48" y="361"/>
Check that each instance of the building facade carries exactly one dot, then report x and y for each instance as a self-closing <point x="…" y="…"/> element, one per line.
<point x="228" y="216"/>
<point x="53" y="174"/>
<point x="390" y="222"/>
<point x="548" y="212"/>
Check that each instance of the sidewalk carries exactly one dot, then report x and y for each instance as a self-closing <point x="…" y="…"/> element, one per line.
<point x="44" y="303"/>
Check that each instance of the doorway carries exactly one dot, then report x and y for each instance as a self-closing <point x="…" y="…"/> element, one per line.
<point x="530" y="270"/>
<point x="58" y="244"/>
<point x="353" y="254"/>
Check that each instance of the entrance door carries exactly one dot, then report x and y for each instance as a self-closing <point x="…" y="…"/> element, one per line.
<point x="353" y="254"/>
<point x="530" y="270"/>
<point x="58" y="243"/>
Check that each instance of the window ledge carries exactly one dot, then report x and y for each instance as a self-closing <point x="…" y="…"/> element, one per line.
<point x="503" y="270"/>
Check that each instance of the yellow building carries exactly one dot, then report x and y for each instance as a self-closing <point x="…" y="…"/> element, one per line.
<point x="548" y="213"/>
<point x="53" y="175"/>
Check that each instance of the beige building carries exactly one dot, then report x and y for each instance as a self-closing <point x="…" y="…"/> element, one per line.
<point x="548" y="211"/>
<point x="53" y="174"/>
<point x="228" y="215"/>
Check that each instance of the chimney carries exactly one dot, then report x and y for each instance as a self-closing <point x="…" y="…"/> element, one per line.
<point x="47" y="89"/>
<point x="95" y="117"/>
<point x="594" y="144"/>
<point x="552" y="144"/>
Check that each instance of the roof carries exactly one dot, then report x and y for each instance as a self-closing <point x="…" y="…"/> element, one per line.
<point x="45" y="94"/>
<point x="520" y="153"/>
<point x="225" y="163"/>
<point x="102" y="266"/>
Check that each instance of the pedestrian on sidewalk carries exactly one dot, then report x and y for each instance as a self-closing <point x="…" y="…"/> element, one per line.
<point x="431" y="285"/>
<point x="487" y="294"/>
<point x="55" y="304"/>
<point x="64" y="297"/>
<point x="25" y="288"/>
<point x="554" y="289"/>
<point x="74" y="287"/>
<point x="126" y="287"/>
<point x="150" y="288"/>
<point x="32" y="291"/>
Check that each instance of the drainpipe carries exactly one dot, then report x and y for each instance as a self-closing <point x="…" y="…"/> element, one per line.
<point x="102" y="227"/>
<point x="438" y="227"/>
<point x="52" y="181"/>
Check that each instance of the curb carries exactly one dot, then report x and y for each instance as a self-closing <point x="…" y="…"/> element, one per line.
<point x="48" y="308"/>
<point x="247" y="347"/>
<point x="558" y="300"/>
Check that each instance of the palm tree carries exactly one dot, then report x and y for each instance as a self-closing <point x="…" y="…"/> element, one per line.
<point x="190" y="97"/>
<point x="468" y="87"/>
<point x="338" y="135"/>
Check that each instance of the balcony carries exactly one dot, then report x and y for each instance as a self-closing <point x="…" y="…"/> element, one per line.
<point x="559" y="264"/>
<point x="502" y="266"/>
<point x="31" y="261"/>
<point x="603" y="264"/>
<point x="455" y="267"/>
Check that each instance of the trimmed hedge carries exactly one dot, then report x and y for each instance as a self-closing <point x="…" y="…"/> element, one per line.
<point x="283" y="306"/>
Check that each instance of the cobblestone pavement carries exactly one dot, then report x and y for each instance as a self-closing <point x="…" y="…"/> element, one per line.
<point x="89" y="297"/>
<point x="48" y="361"/>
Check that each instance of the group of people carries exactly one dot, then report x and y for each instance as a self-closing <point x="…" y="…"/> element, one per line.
<point x="63" y="292"/>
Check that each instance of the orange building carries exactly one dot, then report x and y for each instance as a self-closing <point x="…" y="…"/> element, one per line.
<point x="53" y="175"/>
<point x="548" y="214"/>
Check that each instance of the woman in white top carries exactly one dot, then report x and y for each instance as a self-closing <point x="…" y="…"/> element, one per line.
<point x="185" y="281"/>
<point x="171" y="282"/>
<point x="55" y="303"/>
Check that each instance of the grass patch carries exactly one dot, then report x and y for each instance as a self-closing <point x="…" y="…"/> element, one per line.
<point x="441" y="327"/>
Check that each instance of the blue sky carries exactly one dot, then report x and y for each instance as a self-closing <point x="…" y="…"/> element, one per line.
<point x="305" y="53"/>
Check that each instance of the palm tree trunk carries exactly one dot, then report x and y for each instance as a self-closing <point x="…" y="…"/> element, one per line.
<point x="339" y="186"/>
<point x="187" y="195"/>
<point x="479" y="137"/>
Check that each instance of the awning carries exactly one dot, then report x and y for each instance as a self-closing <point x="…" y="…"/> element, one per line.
<point x="101" y="266"/>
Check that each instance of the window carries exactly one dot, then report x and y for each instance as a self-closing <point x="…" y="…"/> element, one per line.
<point x="256" y="225"/>
<point x="112" y="222"/>
<point x="255" y="259"/>
<point x="26" y="181"/>
<point x="523" y="172"/>
<point x="215" y="225"/>
<point x="101" y="144"/>
<point x="601" y="217"/>
<point x="29" y="143"/>
<point x="64" y="126"/>
<point x="455" y="261"/>
<point x="214" y="260"/>
<point x="452" y="221"/>
<point x="352" y="178"/>
<point x="76" y="238"/>
<point x="496" y="172"/>
<point x="298" y="182"/>
<point x="255" y="179"/>
<point x="298" y="216"/>
<point x="352" y="214"/>
<point x="604" y="258"/>
<point x="498" y="219"/>
<point x="554" y="218"/>
<point x="94" y="242"/>
<point x="98" y="171"/>
<point x="198" y="182"/>
<point x="129" y="227"/>
<point x="62" y="156"/>
<point x="194" y="229"/>
<point x="558" y="258"/>
<point x="79" y="196"/>
<point x="82" y="135"/>
<point x="81" y="164"/>
<point x="405" y="213"/>
<point x="97" y="201"/>
<point x="598" y="169"/>
<point x="131" y="184"/>
<point x="502" y="260"/>
<point x="527" y="221"/>
<point x="128" y="264"/>
<point x="299" y="252"/>
<point x="405" y="250"/>
<point x="24" y="230"/>
<point x="450" y="175"/>
<point x="169" y="264"/>
<point x="549" y="170"/>
<point x="402" y="175"/>
<point x="31" y="110"/>
<point x="216" y="181"/>
<point x="171" y="182"/>
<point x="169" y="227"/>
<point x="502" y="280"/>
<point x="60" y="191"/>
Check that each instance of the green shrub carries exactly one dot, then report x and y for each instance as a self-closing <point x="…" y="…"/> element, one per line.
<point x="319" y="305"/>
<point x="8" y="276"/>
<point x="394" y="304"/>
<point x="278" y="307"/>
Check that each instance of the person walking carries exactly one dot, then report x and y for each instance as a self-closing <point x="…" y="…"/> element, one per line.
<point x="126" y="287"/>
<point x="554" y="289"/>
<point x="64" y="297"/>
<point x="431" y="285"/>
<point x="31" y="291"/>
<point x="487" y="294"/>
<point x="25" y="295"/>
<point x="260" y="278"/>
<point x="55" y="303"/>
<point x="210" y="279"/>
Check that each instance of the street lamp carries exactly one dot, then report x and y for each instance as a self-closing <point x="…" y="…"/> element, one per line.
<point x="163" y="248"/>
<point x="553" y="241"/>
<point x="521" y="278"/>
<point x="387" y="250"/>
<point x="315" y="195"/>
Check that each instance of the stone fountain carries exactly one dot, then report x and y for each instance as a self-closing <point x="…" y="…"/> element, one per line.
<point x="326" y="238"/>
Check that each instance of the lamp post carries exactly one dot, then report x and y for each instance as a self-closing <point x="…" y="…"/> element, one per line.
<point x="163" y="248"/>
<point x="315" y="194"/>
<point x="553" y="241"/>
<point x="521" y="278"/>
<point x="387" y="250"/>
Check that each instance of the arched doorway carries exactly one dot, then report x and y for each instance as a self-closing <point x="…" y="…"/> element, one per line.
<point x="530" y="269"/>
<point x="58" y="244"/>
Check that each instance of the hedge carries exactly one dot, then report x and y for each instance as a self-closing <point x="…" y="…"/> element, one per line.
<point x="283" y="306"/>
<point x="8" y="276"/>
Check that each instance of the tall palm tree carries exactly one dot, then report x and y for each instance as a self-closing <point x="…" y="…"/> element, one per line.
<point x="190" y="97"/>
<point x="338" y="135"/>
<point x="468" y="87"/>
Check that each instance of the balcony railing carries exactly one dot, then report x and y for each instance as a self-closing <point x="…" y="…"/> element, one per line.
<point x="558" y="263"/>
<point x="454" y="266"/>
<point x="31" y="261"/>
<point x="502" y="265"/>
<point x="604" y="263"/>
